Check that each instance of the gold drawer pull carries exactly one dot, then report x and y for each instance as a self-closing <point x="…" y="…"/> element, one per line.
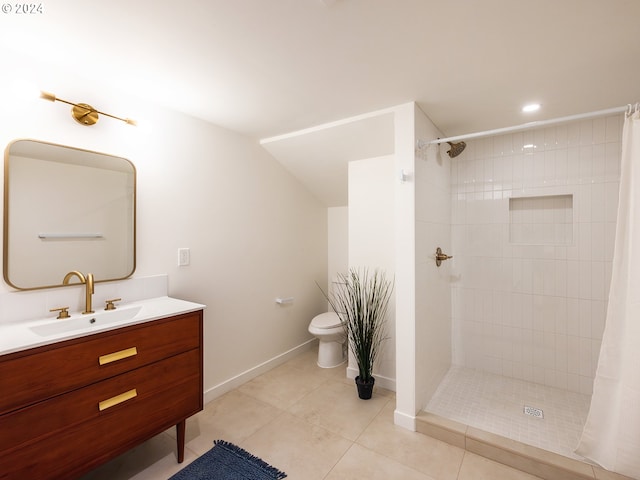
<point x="115" y="356"/>
<point x="113" y="401"/>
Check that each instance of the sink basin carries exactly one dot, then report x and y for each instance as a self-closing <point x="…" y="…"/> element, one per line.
<point x="89" y="321"/>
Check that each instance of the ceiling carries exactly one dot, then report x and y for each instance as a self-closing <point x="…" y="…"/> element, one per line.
<point x="265" y="68"/>
<point x="319" y="156"/>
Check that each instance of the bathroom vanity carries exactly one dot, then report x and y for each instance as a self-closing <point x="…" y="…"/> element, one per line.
<point x="67" y="406"/>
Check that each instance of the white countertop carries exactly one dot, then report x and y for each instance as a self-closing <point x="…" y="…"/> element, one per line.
<point x="18" y="336"/>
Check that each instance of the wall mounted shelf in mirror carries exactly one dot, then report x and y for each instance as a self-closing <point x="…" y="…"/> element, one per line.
<point x="66" y="209"/>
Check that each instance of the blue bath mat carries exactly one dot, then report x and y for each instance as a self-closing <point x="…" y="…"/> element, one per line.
<point x="226" y="461"/>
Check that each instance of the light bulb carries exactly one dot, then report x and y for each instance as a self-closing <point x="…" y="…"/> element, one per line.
<point x="532" y="107"/>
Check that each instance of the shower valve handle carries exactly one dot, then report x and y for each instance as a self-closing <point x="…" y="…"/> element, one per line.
<point x="441" y="256"/>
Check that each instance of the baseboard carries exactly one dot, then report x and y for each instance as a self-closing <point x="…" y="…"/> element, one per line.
<point x="234" y="382"/>
<point x="381" y="381"/>
<point x="405" y="421"/>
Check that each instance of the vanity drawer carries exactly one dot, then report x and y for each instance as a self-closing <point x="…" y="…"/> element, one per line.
<point x="40" y="373"/>
<point x="70" y="433"/>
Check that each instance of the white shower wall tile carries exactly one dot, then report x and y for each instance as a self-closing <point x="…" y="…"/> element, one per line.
<point x="551" y="292"/>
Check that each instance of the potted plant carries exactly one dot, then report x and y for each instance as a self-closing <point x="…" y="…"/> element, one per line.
<point x="360" y="300"/>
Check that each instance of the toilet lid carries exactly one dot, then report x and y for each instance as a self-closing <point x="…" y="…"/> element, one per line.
<point x="326" y="320"/>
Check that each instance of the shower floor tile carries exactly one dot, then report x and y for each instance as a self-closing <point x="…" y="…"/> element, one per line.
<point x="496" y="404"/>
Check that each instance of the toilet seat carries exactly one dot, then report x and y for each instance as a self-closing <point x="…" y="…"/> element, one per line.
<point x="331" y="339"/>
<point x="326" y="321"/>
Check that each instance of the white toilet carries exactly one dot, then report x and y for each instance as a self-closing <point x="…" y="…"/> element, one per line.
<point x="332" y="348"/>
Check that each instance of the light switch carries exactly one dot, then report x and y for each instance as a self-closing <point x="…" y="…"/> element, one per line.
<point x="184" y="257"/>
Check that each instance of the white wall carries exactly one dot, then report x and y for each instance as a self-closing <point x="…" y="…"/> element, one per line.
<point x="372" y="243"/>
<point x="423" y="320"/>
<point x="405" y="254"/>
<point x="533" y="306"/>
<point x="433" y="287"/>
<point x="338" y="242"/>
<point x="254" y="232"/>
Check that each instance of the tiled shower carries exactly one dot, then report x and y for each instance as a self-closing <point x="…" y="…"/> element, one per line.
<point x="533" y="224"/>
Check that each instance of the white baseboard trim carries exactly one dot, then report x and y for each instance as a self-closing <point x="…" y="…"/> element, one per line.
<point x="405" y="421"/>
<point x="234" y="382"/>
<point x="383" y="382"/>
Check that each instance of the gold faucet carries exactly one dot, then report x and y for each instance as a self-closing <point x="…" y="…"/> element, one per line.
<point x="88" y="282"/>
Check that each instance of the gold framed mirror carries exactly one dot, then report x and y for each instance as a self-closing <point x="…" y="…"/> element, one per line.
<point x="66" y="209"/>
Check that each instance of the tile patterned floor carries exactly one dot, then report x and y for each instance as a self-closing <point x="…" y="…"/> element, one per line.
<point x="309" y="422"/>
<point x="495" y="404"/>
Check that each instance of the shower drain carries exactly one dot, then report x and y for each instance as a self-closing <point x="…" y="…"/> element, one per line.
<point x="533" y="411"/>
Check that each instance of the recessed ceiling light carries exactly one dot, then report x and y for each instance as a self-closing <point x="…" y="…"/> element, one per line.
<point x="532" y="107"/>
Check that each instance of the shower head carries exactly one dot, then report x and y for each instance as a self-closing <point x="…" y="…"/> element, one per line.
<point x="456" y="149"/>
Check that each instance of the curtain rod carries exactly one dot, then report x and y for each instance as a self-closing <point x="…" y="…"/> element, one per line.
<point x="516" y="128"/>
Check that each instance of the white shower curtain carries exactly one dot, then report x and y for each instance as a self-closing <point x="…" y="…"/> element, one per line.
<point x="611" y="436"/>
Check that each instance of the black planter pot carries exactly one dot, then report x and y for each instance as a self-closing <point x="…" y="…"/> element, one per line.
<point x="365" y="389"/>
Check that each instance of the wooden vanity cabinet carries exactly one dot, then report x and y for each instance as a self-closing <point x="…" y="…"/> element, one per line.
<point x="68" y="407"/>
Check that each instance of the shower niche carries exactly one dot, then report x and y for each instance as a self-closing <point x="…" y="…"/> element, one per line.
<point x="541" y="220"/>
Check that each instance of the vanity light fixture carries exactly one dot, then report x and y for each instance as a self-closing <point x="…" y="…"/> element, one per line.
<point x="83" y="113"/>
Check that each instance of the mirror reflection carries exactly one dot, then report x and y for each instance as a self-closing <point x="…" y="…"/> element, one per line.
<point x="66" y="209"/>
